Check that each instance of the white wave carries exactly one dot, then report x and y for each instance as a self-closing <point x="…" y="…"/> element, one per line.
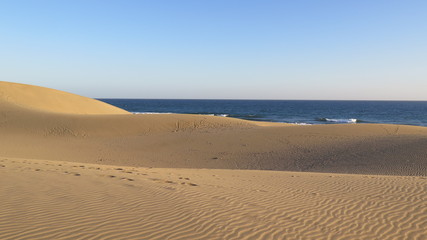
<point x="302" y="124"/>
<point x="150" y="113"/>
<point x="351" y="120"/>
<point x="218" y="115"/>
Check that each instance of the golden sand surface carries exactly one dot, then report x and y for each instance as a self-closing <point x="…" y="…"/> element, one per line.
<point x="51" y="100"/>
<point x="66" y="200"/>
<point x="76" y="168"/>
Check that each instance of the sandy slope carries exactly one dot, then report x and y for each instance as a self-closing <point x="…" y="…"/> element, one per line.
<point x="57" y="182"/>
<point x="191" y="141"/>
<point x="64" y="200"/>
<point x="51" y="100"/>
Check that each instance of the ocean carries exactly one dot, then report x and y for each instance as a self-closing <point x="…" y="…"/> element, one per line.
<point x="288" y="111"/>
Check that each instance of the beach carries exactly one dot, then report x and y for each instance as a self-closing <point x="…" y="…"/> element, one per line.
<point x="77" y="168"/>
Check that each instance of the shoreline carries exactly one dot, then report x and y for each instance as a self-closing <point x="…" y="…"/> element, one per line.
<point x="308" y="112"/>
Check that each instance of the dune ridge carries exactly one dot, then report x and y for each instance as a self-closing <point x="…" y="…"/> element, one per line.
<point x="51" y="100"/>
<point x="75" y="168"/>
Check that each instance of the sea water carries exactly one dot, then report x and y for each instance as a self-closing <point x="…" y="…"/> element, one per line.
<point x="288" y="111"/>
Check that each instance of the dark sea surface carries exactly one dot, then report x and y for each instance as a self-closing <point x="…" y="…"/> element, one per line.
<point x="288" y="111"/>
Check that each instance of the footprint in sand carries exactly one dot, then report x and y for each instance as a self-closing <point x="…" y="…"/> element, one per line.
<point x="74" y="174"/>
<point x="128" y="179"/>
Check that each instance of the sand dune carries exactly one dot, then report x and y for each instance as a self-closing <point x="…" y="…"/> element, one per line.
<point x="76" y="168"/>
<point x="50" y="100"/>
<point x="195" y="141"/>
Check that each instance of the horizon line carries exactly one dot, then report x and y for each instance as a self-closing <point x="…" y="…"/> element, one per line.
<point x="248" y="99"/>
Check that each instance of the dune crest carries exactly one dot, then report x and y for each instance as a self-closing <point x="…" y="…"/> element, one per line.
<point x="50" y="100"/>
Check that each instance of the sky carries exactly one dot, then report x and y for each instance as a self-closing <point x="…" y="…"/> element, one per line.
<point x="221" y="49"/>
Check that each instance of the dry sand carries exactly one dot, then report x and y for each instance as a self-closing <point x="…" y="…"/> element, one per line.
<point x="76" y="168"/>
<point x="50" y="100"/>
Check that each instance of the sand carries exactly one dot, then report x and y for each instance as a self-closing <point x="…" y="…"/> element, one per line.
<point x="76" y="168"/>
<point x="50" y="100"/>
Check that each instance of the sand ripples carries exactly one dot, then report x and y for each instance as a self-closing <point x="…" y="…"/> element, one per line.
<point x="62" y="201"/>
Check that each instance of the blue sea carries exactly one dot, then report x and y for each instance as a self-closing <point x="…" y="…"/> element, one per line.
<point x="288" y="111"/>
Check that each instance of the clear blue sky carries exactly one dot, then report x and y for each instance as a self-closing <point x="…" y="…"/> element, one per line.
<point x="229" y="49"/>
